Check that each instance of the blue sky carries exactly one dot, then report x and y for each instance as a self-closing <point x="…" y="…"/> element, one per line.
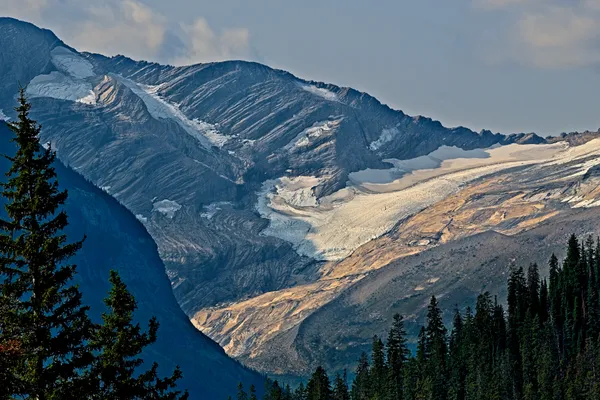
<point x="504" y="65"/>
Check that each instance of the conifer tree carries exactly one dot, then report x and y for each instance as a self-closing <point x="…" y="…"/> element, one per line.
<point x="241" y="393"/>
<point x="361" y="387"/>
<point x="397" y="354"/>
<point x="318" y="387"/>
<point x="42" y="309"/>
<point x="121" y="341"/>
<point x="253" y="393"/>
<point x="340" y="388"/>
<point x="300" y="392"/>
<point x="436" y="349"/>
<point x="379" y="373"/>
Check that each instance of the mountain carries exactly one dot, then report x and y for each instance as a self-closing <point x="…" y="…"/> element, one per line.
<point x="117" y="240"/>
<point x="271" y="199"/>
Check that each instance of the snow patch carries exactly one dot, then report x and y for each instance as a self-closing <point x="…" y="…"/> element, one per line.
<point x="141" y="218"/>
<point x="166" y="207"/>
<point x="402" y="167"/>
<point x="213" y="208"/>
<point x="310" y="134"/>
<point x="387" y="135"/>
<point x="321" y="92"/>
<point x="59" y="86"/>
<point x="207" y="134"/>
<point x="70" y="63"/>
<point x="105" y="188"/>
<point x="3" y="116"/>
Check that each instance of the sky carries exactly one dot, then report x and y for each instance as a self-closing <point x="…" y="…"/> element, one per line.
<point x="504" y="65"/>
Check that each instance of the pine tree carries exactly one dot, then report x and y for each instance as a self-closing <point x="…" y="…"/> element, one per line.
<point x="300" y="392"/>
<point x="42" y="310"/>
<point x="457" y="362"/>
<point x="436" y="350"/>
<point x="361" y="388"/>
<point x="253" y="393"/>
<point x="121" y="341"/>
<point x="340" y="388"/>
<point x="241" y="393"/>
<point x="378" y="369"/>
<point x="318" y="387"/>
<point x="397" y="354"/>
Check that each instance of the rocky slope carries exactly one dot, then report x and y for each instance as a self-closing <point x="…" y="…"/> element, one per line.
<point x="116" y="240"/>
<point x="270" y="197"/>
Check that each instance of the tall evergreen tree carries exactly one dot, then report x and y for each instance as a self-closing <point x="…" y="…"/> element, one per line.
<point x="361" y="387"/>
<point x="340" y="388"/>
<point x="42" y="309"/>
<point x="379" y="373"/>
<point x="436" y="350"/>
<point x="253" y="393"/>
<point x="319" y="387"/>
<point x="121" y="341"/>
<point x="241" y="393"/>
<point x="397" y="354"/>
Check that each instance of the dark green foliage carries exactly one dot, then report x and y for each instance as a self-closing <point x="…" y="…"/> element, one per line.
<point x="340" y="388"/>
<point x="49" y="348"/>
<point x="546" y="347"/>
<point x="122" y="341"/>
<point x="43" y="323"/>
<point x="318" y="387"/>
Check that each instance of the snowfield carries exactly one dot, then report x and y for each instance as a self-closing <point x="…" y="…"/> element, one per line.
<point x="321" y="92"/>
<point x="332" y="227"/>
<point x="72" y="64"/>
<point x="309" y="135"/>
<point x="387" y="135"/>
<point x="206" y="134"/>
<point x="166" y="207"/>
<point x="59" y="86"/>
<point x="69" y="82"/>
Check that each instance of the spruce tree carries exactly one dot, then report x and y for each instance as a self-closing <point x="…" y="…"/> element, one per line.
<point x="241" y="393"/>
<point x="42" y="310"/>
<point x="253" y="393"/>
<point x="318" y="387"/>
<point x="361" y="387"/>
<point x="340" y="388"/>
<point x="379" y="373"/>
<point x="121" y="341"/>
<point x="397" y="354"/>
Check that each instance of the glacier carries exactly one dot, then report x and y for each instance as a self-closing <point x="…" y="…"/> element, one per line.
<point x="332" y="227"/>
<point x="70" y="63"/>
<point x="59" y="86"/>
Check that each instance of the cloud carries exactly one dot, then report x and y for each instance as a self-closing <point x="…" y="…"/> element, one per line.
<point x="131" y="28"/>
<point x="206" y="45"/>
<point x="497" y="4"/>
<point x="549" y="34"/>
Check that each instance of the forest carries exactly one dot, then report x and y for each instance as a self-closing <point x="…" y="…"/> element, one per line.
<point x="544" y="345"/>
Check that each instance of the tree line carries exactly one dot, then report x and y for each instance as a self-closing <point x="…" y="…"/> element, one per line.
<point x="49" y="348"/>
<point x="544" y="346"/>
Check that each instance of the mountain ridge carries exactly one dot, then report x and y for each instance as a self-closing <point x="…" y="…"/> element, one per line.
<point x="238" y="170"/>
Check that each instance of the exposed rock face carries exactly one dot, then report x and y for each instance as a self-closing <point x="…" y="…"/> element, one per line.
<point x="258" y="187"/>
<point x="448" y="249"/>
<point x="116" y="240"/>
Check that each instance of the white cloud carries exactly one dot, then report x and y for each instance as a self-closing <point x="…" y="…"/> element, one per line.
<point x="131" y="28"/>
<point x="549" y="34"/>
<point x="206" y="45"/>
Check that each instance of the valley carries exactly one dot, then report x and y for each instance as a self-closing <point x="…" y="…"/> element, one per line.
<point x="295" y="217"/>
